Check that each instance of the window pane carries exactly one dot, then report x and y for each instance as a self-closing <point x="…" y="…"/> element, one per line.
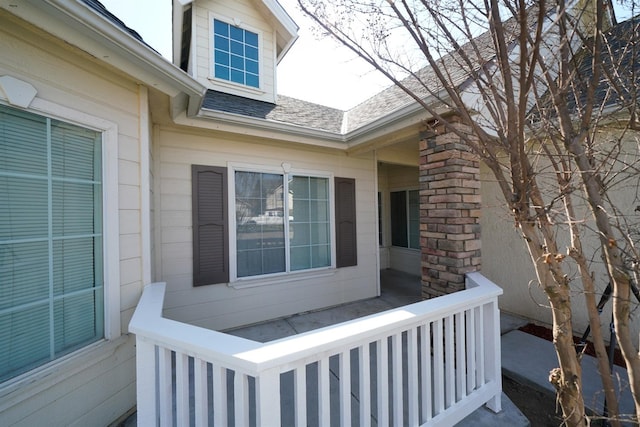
<point x="252" y="80"/>
<point x="260" y="241"/>
<point x="237" y="62"/>
<point x="222" y="72"/>
<point x="50" y="221"/>
<point x="23" y="208"/>
<point x="221" y="43"/>
<point x="301" y="259"/>
<point x="414" y="219"/>
<point x="236" y="33"/>
<point x="220" y="27"/>
<point x="251" y="53"/>
<point x="251" y="39"/>
<point x="399" y="218"/>
<point x="237" y="76"/>
<point x="237" y="48"/>
<point x="23" y="146"/>
<point x="222" y="58"/>
<point x="309" y="235"/>
<point x="251" y="66"/>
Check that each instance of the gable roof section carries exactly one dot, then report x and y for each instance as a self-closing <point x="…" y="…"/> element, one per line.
<point x="620" y="55"/>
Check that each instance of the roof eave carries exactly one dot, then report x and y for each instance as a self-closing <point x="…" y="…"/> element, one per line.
<point x="110" y="44"/>
<point x="279" y="130"/>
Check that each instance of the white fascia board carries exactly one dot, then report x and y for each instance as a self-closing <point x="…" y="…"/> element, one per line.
<point x="287" y="26"/>
<point x="80" y="26"/>
<point x="239" y="124"/>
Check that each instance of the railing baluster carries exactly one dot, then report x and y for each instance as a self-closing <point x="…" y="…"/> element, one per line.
<point x="164" y="385"/>
<point x="382" y="367"/>
<point x="449" y="368"/>
<point x="471" y="350"/>
<point x="219" y="379"/>
<point x="460" y="352"/>
<point x="182" y="389"/>
<point x="438" y="368"/>
<point x="241" y="399"/>
<point x="412" y="377"/>
<point x="480" y="378"/>
<point x="425" y="361"/>
<point x="398" y="399"/>
<point x="300" y="395"/>
<point x="364" y="365"/>
<point x="324" y="408"/>
<point x="201" y="392"/>
<point x="345" y="387"/>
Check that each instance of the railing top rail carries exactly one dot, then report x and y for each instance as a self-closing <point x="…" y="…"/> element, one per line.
<point x="254" y="357"/>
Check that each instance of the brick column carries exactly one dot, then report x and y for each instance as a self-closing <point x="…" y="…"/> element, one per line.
<point x="449" y="211"/>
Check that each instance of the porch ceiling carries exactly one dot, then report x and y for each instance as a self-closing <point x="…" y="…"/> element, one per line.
<point x="406" y="153"/>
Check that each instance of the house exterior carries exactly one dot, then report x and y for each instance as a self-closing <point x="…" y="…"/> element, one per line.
<point x="118" y="169"/>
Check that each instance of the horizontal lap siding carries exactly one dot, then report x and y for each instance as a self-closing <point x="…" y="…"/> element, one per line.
<point x="106" y="384"/>
<point x="220" y="306"/>
<point x="242" y="11"/>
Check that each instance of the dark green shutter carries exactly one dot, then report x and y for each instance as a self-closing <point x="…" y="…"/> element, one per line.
<point x="210" y="225"/>
<point x="346" y="242"/>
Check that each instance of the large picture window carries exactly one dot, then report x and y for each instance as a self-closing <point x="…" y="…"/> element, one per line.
<point x="51" y="241"/>
<point x="282" y="223"/>
<point x="235" y="54"/>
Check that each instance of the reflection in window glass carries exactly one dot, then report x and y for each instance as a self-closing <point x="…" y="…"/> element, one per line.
<point x="405" y="219"/>
<point x="261" y="223"/>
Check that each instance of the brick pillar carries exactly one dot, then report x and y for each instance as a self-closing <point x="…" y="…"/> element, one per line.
<point x="449" y="211"/>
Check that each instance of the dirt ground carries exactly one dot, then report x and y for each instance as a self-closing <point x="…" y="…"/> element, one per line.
<point x="539" y="407"/>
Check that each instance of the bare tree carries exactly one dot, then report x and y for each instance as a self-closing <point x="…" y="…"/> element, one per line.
<point x="549" y="90"/>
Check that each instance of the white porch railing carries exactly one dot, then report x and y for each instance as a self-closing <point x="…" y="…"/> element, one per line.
<point x="429" y="363"/>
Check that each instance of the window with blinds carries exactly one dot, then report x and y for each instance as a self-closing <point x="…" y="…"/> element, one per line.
<point x="51" y="252"/>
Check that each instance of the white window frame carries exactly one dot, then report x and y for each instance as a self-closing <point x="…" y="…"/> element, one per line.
<point x="110" y="232"/>
<point x="284" y="170"/>
<point x="212" y="60"/>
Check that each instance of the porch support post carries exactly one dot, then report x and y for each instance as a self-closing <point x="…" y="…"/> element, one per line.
<point x="449" y="211"/>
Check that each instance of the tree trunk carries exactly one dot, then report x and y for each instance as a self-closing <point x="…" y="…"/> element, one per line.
<point x="567" y="379"/>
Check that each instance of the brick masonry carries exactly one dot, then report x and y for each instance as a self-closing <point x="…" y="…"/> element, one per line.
<point x="449" y="211"/>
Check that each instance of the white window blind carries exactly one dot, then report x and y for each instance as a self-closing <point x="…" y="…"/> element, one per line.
<point x="51" y="252"/>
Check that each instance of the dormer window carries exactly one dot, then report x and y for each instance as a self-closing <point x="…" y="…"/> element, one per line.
<point x="236" y="54"/>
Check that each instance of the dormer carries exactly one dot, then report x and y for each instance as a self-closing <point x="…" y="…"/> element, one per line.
<point x="232" y="46"/>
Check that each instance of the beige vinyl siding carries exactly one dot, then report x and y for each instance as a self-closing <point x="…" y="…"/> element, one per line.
<point x="245" y="13"/>
<point x="221" y="306"/>
<point x="95" y="385"/>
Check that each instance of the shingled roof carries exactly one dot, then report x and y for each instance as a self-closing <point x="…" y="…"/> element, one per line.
<point x="422" y="84"/>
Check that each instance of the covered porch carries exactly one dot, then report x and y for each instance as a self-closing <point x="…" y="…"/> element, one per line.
<point x="440" y="363"/>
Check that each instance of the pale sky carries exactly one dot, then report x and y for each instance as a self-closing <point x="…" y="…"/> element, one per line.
<point x="313" y="70"/>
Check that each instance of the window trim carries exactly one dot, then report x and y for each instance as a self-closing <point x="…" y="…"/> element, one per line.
<point x="110" y="212"/>
<point x="212" y="60"/>
<point x="266" y="279"/>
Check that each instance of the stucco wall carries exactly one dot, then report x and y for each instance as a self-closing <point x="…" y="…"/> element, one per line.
<point x="223" y="306"/>
<point x="506" y="261"/>
<point x="95" y="385"/>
